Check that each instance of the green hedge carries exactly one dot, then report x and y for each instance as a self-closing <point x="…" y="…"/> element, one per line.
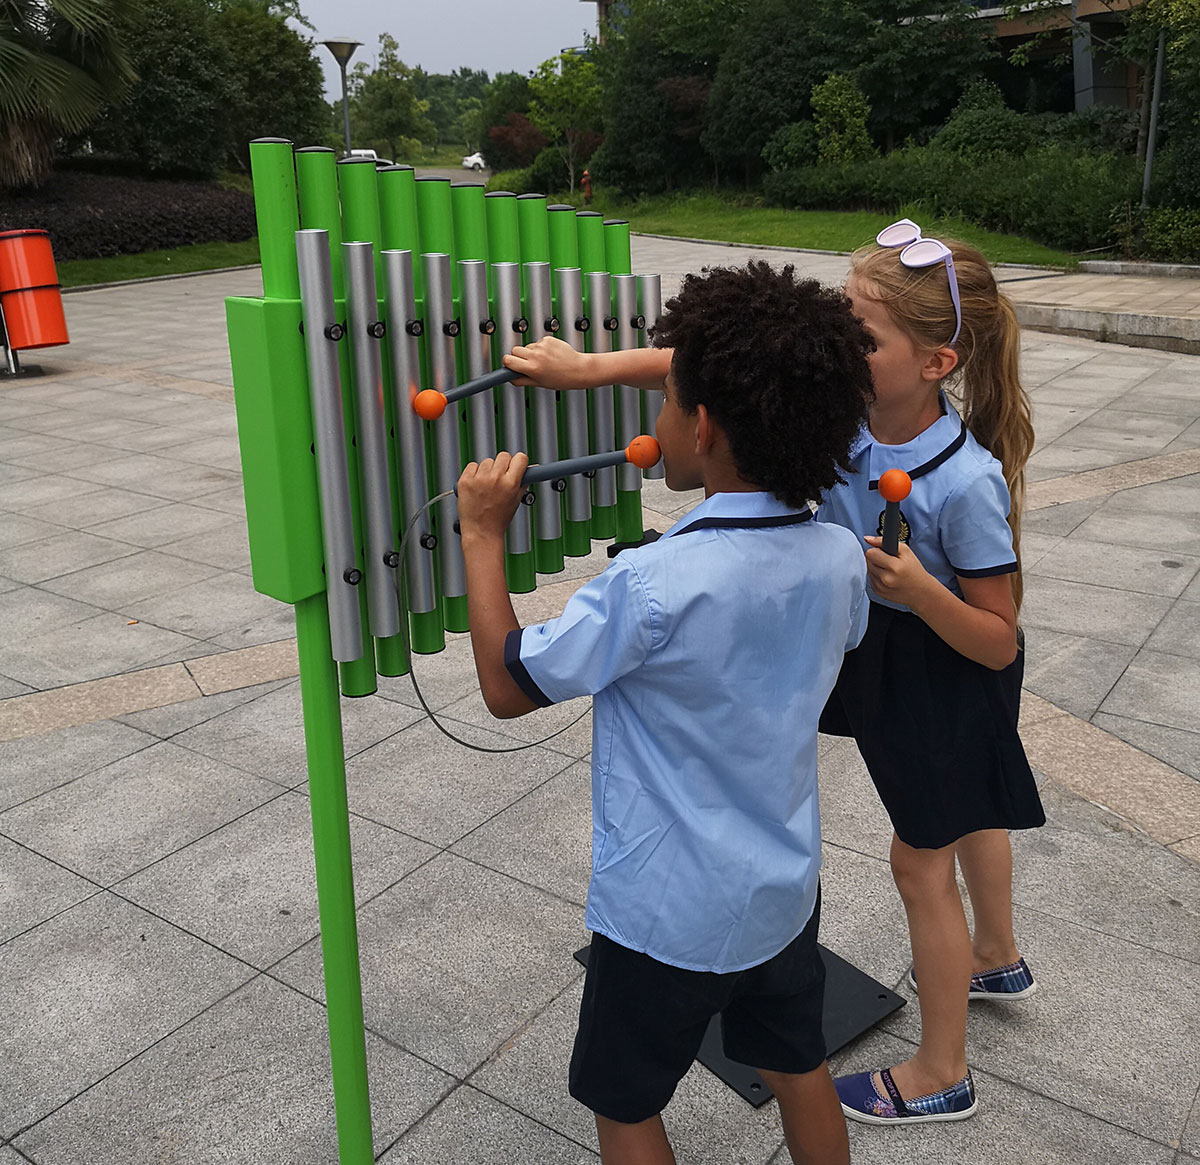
<point x="1064" y="198"/>
<point x="1172" y="234"/>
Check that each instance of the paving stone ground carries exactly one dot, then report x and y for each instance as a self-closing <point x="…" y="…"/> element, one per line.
<point x="160" y="974"/>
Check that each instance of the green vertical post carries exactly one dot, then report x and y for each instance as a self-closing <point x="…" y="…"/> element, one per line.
<point x="534" y="233"/>
<point x="275" y="195"/>
<point x="590" y="229"/>
<point x="564" y="252"/>
<point x="400" y="232"/>
<point x="319" y="209"/>
<point x="335" y="882"/>
<point x="470" y="220"/>
<point x="619" y="261"/>
<point x="359" y="190"/>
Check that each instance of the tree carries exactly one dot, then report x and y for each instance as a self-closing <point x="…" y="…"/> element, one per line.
<point x="840" y="113"/>
<point x="566" y="106"/>
<point x="384" y="108"/>
<point x="277" y="77"/>
<point x="175" y="118"/>
<point x="507" y="132"/>
<point x="60" y="61"/>
<point x="469" y="123"/>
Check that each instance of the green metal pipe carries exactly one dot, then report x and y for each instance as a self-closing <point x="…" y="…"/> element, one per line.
<point x="335" y="882"/>
<point x="316" y="175"/>
<point x="275" y="209"/>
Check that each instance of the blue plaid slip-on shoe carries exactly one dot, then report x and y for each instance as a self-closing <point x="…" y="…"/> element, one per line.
<point x="861" y="1101"/>
<point x="1004" y="984"/>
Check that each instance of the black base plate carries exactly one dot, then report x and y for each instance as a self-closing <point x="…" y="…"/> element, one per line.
<point x="854" y="1002"/>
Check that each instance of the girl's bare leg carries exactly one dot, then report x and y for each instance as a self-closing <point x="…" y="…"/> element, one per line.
<point x="812" y="1116"/>
<point x="941" y="947"/>
<point x="986" y="861"/>
<point x="644" y="1143"/>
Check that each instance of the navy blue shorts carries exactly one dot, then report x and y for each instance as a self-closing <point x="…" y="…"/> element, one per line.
<point x="641" y="1022"/>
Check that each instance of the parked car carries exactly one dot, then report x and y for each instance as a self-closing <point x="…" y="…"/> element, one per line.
<point x="474" y="162"/>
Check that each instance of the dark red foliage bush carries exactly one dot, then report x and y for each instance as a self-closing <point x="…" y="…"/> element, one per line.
<point x="92" y="216"/>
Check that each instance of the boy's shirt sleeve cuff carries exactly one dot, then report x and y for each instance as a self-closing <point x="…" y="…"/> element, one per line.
<point x="520" y="673"/>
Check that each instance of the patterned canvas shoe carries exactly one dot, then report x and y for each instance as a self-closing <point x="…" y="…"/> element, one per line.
<point x="1003" y="984"/>
<point x="861" y="1101"/>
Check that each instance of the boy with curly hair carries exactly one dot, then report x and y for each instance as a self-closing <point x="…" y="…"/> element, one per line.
<point x="710" y="654"/>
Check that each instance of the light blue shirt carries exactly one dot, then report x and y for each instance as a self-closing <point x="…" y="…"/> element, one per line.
<point x="957" y="513"/>
<point x="710" y="654"/>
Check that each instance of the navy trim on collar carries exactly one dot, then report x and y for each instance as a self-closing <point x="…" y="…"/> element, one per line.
<point x="719" y="523"/>
<point x="518" y="671"/>
<point x="934" y="462"/>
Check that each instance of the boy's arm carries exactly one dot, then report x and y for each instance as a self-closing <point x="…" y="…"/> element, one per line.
<point x="488" y="496"/>
<point x="553" y="363"/>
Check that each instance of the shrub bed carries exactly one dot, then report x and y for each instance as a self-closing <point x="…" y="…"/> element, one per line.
<point x="94" y="216"/>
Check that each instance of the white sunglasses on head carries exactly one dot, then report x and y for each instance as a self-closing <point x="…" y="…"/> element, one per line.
<point x="919" y="252"/>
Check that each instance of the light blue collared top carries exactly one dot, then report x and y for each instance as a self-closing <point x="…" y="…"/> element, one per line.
<point x="710" y="654"/>
<point x="957" y="512"/>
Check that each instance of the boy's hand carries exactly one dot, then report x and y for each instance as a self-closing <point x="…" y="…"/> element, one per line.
<point x="489" y="493"/>
<point x="900" y="578"/>
<point x="550" y="363"/>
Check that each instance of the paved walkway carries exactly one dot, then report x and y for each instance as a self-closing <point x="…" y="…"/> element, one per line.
<point x="159" y="967"/>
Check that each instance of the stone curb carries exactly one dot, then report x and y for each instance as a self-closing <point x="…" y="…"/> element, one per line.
<point x="1132" y="267"/>
<point x="1165" y="333"/>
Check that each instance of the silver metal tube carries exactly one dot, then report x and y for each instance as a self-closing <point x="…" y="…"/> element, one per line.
<point x="568" y="288"/>
<point x="650" y="308"/>
<point x="598" y="304"/>
<point x="366" y="330"/>
<point x="539" y="307"/>
<point x="511" y="328"/>
<point x="321" y="333"/>
<point x="477" y="349"/>
<point x="440" y="329"/>
<point x="629" y="399"/>
<point x="402" y="330"/>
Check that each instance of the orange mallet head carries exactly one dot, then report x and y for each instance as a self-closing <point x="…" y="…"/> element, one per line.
<point x="429" y="404"/>
<point x="643" y="452"/>
<point x="894" y="485"/>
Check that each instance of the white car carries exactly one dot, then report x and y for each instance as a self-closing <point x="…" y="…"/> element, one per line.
<point x="474" y="162"/>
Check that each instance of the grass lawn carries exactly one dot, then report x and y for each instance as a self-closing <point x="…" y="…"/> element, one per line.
<point x="179" y="261"/>
<point x="696" y="216"/>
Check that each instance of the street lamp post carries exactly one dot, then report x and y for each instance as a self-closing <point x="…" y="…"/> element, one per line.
<point x="342" y="48"/>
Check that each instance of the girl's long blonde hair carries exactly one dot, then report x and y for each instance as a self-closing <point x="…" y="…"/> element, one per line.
<point x="986" y="385"/>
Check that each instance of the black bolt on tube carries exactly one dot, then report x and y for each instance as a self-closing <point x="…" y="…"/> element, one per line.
<point x="391" y="558"/>
<point x="353" y="576"/>
<point x="414" y="327"/>
<point x="553" y="324"/>
<point x="487" y="327"/>
<point x="528" y="498"/>
<point x="452" y="327"/>
<point x="520" y="326"/>
<point x="559" y="485"/>
<point x="376" y="330"/>
<point x="428" y="541"/>
<point x="611" y="323"/>
<point x="638" y="322"/>
<point x="582" y="323"/>
<point x="334" y="332"/>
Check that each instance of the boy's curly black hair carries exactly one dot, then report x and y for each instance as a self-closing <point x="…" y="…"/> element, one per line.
<point x="780" y="364"/>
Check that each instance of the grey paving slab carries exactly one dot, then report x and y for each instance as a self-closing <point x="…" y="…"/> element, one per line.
<point x="90" y="989"/>
<point x="1074" y="672"/>
<point x="1158" y="686"/>
<point x="156" y="527"/>
<point x="37" y="491"/>
<point x="9" y="687"/>
<point x="139" y="575"/>
<point x="250" y="886"/>
<point x="34" y="764"/>
<point x="162" y="476"/>
<point x="279" y="624"/>
<point x="1178" y="496"/>
<point x="173" y="719"/>
<point x="95" y="507"/>
<point x="61" y="553"/>
<point x="1078" y="1039"/>
<point x="445" y="677"/>
<point x="118" y="819"/>
<point x="28" y="610"/>
<point x="1131" y="434"/>
<point x="1172" y="533"/>
<point x="455" y="960"/>
<point x="1190" y="1141"/>
<point x="246" y="1083"/>
<point x="70" y="457"/>
<point x="429" y="786"/>
<point x="1014" y="1123"/>
<point x="231" y="499"/>
<point x="1178" y="747"/>
<point x="1127" y="568"/>
<point x="544" y="839"/>
<point x="1053" y="416"/>
<point x="707" y="1122"/>
<point x="1059" y="521"/>
<point x="1089" y="868"/>
<point x="1095" y="611"/>
<point x="267" y="736"/>
<point x="469" y="1126"/>
<point x="1067" y="456"/>
<point x="1179" y="631"/>
<point x="203" y="610"/>
<point x="104" y="645"/>
<point x="226" y="546"/>
<point x="852" y="816"/>
<point x="565" y="727"/>
<point x="16" y="529"/>
<point x="34" y="889"/>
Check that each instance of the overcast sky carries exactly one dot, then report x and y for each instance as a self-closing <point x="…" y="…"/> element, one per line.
<point x="497" y="36"/>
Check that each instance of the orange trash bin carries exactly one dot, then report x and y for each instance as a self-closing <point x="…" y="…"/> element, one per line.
<point x="30" y="297"/>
